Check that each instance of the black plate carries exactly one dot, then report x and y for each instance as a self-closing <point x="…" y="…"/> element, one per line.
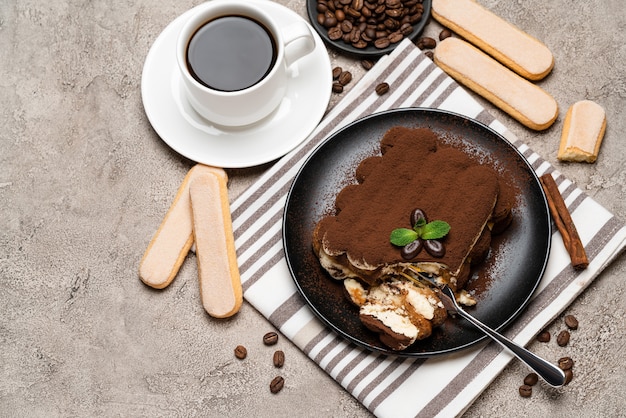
<point x="503" y="285"/>
<point x="370" y="51"/>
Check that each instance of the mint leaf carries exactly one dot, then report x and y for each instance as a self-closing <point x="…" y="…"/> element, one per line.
<point x="420" y="223"/>
<point x="403" y="236"/>
<point x="434" y="230"/>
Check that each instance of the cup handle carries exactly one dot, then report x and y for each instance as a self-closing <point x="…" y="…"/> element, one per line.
<point x="298" y="42"/>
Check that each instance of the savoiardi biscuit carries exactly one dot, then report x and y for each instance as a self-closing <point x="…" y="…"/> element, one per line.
<point x="218" y="271"/>
<point x="582" y="133"/>
<point x="504" y="41"/>
<point x="520" y="98"/>
<point x="173" y="239"/>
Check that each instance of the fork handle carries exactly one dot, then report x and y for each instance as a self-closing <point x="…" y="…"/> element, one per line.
<point x="553" y="375"/>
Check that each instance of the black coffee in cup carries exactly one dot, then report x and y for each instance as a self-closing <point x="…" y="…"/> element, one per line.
<point x="231" y="53"/>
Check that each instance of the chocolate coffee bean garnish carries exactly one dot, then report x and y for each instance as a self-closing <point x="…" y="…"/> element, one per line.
<point x="412" y="249"/>
<point x="428" y="233"/>
<point x="270" y="338"/>
<point x="435" y="248"/>
<point x="417" y="215"/>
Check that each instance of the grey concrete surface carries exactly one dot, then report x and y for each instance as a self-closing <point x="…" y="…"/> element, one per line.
<point x="85" y="181"/>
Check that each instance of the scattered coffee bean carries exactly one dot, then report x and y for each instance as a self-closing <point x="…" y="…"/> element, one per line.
<point x="525" y="391"/>
<point x="241" y="352"/>
<point x="276" y="385"/>
<point x="566" y="363"/>
<point x="543" y="337"/>
<point x="429" y="54"/>
<point x="344" y="78"/>
<point x="382" y="88"/>
<point x="337" y="87"/>
<point x="426" y="43"/>
<point x="279" y="358"/>
<point x="531" y="379"/>
<point x="571" y="322"/>
<point x="270" y="338"/>
<point x="444" y="34"/>
<point x="563" y="338"/>
<point x="367" y="64"/>
<point x="337" y="72"/>
<point x="569" y="375"/>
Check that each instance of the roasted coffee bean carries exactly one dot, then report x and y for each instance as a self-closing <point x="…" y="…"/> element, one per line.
<point x="435" y="248"/>
<point x="429" y="54"/>
<point x="525" y="391"/>
<point x="241" y="352"/>
<point x="563" y="338"/>
<point x="276" y="385"/>
<point x="337" y="87"/>
<point x="395" y="37"/>
<point x="279" y="358"/>
<point x="569" y="375"/>
<point x="382" y="43"/>
<point x="344" y="78"/>
<point x="571" y="322"/>
<point x="531" y="379"/>
<point x="412" y="249"/>
<point x="426" y="42"/>
<point x="566" y="363"/>
<point x="406" y="29"/>
<point x="543" y="337"/>
<point x="367" y="64"/>
<point x="335" y="33"/>
<point x="270" y="338"/>
<point x="382" y="88"/>
<point x="375" y="19"/>
<point x="444" y="34"/>
<point x="416" y="216"/>
<point x="336" y="72"/>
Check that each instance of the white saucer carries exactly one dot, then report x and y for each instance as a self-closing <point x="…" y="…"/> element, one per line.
<point x="192" y="136"/>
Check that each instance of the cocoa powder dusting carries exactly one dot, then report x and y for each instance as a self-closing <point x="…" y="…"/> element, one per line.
<point x="416" y="170"/>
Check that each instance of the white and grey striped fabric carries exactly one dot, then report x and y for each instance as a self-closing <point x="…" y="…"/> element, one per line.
<point x="443" y="386"/>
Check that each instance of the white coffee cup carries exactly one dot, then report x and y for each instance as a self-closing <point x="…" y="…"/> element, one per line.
<point x="239" y="105"/>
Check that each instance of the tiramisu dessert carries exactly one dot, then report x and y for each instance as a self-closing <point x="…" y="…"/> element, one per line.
<point x="421" y="210"/>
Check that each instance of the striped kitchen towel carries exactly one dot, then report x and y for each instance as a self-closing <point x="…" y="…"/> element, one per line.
<point x="445" y="385"/>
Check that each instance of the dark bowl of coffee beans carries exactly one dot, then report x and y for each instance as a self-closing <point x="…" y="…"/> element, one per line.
<point x="368" y="28"/>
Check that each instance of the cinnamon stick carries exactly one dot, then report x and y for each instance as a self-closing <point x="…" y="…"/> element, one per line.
<point x="564" y="223"/>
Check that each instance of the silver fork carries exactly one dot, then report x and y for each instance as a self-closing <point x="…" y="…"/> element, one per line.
<point x="552" y="375"/>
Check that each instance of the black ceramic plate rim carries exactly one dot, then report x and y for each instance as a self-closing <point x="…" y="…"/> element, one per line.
<point x="370" y="51"/>
<point x="543" y="242"/>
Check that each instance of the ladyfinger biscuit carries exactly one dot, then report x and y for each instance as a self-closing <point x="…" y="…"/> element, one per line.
<point x="502" y="40"/>
<point x="521" y="99"/>
<point x="218" y="272"/>
<point x="583" y="131"/>
<point x="173" y="239"/>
